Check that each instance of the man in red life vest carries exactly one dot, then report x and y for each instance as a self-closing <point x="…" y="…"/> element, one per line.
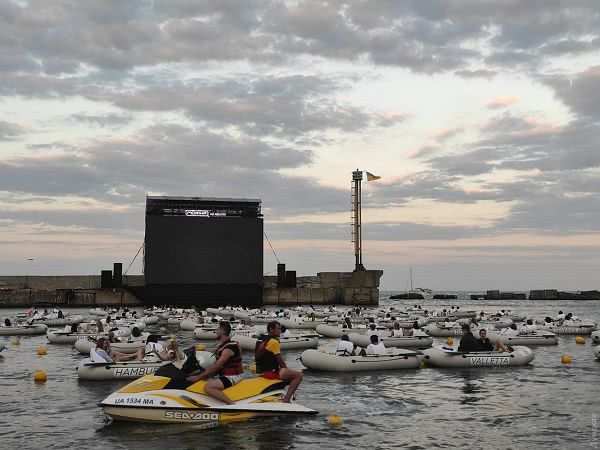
<point x="271" y="365"/>
<point x="228" y="366"/>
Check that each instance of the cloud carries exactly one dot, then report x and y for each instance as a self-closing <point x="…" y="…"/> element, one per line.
<point x="501" y="102"/>
<point x="9" y="131"/>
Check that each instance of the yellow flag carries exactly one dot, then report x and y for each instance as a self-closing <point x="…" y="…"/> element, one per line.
<point x="371" y="177"/>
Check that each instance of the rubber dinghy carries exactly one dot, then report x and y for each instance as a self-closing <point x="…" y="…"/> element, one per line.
<point x="162" y="399"/>
<point x="596" y="337"/>
<point x="395" y="360"/>
<point x="23" y="330"/>
<point x="286" y="343"/>
<point x="362" y="340"/>
<point x="439" y="357"/>
<point x="573" y="329"/>
<point x="88" y="370"/>
<point x="537" y="338"/>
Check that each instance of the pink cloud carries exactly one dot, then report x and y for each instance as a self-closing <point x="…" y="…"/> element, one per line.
<point x="425" y="150"/>
<point x="445" y="133"/>
<point x="501" y="102"/>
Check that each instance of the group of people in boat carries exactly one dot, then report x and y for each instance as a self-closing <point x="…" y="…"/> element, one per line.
<point x="469" y="343"/>
<point x="227" y="370"/>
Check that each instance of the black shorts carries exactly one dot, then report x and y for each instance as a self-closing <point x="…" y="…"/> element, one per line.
<point x="230" y="380"/>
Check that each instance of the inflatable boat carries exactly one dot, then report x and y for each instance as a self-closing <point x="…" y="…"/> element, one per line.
<point x="84" y="346"/>
<point x="291" y="343"/>
<point x="537" y="338"/>
<point x="583" y="329"/>
<point x="162" y="399"/>
<point x="596" y="337"/>
<point x="66" y="337"/>
<point x="362" y="340"/>
<point x="434" y="330"/>
<point x="88" y="370"/>
<point x="396" y="359"/>
<point x="23" y="330"/>
<point x="300" y="323"/>
<point x="443" y="357"/>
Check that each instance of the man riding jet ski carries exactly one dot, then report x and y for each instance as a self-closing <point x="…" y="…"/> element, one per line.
<point x="168" y="397"/>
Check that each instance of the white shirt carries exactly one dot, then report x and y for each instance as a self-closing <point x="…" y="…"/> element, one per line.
<point x="509" y="332"/>
<point x="98" y="355"/>
<point x="286" y="333"/>
<point x="154" y="347"/>
<point x="418" y="332"/>
<point x="344" y="348"/>
<point x="378" y="349"/>
<point x="398" y="333"/>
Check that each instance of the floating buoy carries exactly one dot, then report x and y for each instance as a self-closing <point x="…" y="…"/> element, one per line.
<point x="252" y="368"/>
<point x="422" y="364"/>
<point x="200" y="347"/>
<point x="42" y="351"/>
<point x="335" y="420"/>
<point x="39" y="376"/>
<point x="580" y="340"/>
<point x="566" y="359"/>
<point x="450" y="341"/>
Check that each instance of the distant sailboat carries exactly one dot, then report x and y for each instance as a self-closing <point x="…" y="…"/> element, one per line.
<point x="412" y="294"/>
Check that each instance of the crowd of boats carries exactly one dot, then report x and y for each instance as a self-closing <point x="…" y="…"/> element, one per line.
<point x="140" y="345"/>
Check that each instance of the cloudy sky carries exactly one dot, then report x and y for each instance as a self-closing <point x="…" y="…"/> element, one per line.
<point x="481" y="117"/>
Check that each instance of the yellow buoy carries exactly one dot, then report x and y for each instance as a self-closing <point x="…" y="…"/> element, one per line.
<point x="335" y="420"/>
<point x="42" y="351"/>
<point x="200" y="347"/>
<point x="422" y="365"/>
<point x="39" y="376"/>
<point x="580" y="340"/>
<point x="450" y="341"/>
<point x="252" y="368"/>
<point x="566" y="359"/>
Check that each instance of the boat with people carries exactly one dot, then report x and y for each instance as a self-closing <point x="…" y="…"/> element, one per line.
<point x="23" y="330"/>
<point x="450" y="357"/>
<point x="166" y="397"/>
<point x="537" y="338"/>
<point x="396" y="359"/>
<point x="362" y="340"/>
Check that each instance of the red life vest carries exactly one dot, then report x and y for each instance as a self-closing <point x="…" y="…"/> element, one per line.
<point x="233" y="366"/>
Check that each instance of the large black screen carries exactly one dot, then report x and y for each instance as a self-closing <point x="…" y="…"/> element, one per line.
<point x="203" y="250"/>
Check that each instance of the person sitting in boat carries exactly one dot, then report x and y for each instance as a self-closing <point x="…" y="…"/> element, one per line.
<point x="345" y="347"/>
<point x="7" y="322"/>
<point x="416" y="330"/>
<point x="372" y="330"/>
<point x="528" y="328"/>
<point x="468" y="343"/>
<point x="510" y="331"/>
<point x="241" y="325"/>
<point x="136" y="335"/>
<point x="103" y="353"/>
<point x="347" y="323"/>
<point x="228" y="366"/>
<point x="376" y="347"/>
<point x="154" y="348"/>
<point x="270" y="363"/>
<point x="397" y="331"/>
<point x="285" y="332"/>
<point x="484" y="343"/>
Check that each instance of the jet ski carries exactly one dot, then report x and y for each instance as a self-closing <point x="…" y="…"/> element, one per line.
<point x="166" y="397"/>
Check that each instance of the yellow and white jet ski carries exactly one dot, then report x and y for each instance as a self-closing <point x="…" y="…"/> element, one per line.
<point x="155" y="398"/>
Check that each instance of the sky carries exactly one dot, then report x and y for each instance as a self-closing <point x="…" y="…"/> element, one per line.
<point x="481" y="117"/>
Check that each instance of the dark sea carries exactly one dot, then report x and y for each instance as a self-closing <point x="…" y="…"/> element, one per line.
<point x="543" y="405"/>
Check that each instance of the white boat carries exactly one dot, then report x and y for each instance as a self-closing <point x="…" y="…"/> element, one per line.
<point x="441" y="357"/>
<point x="395" y="360"/>
<point x="23" y="330"/>
<point x="537" y="338"/>
<point x="291" y="343"/>
<point x="363" y="340"/>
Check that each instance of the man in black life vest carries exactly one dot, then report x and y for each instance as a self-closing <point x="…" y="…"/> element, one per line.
<point x="228" y="366"/>
<point x="270" y="364"/>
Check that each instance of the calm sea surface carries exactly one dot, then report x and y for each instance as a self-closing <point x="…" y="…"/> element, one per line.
<point x="545" y="404"/>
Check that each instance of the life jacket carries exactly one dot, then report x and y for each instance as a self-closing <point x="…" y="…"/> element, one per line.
<point x="265" y="360"/>
<point x="233" y="366"/>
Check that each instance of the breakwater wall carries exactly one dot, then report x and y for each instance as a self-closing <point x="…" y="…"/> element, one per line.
<point x="349" y="288"/>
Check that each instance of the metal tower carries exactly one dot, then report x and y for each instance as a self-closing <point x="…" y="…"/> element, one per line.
<point x="356" y="194"/>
